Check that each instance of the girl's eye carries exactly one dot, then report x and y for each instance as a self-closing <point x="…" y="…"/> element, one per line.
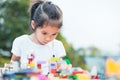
<point x="44" y="33"/>
<point x="54" y="34"/>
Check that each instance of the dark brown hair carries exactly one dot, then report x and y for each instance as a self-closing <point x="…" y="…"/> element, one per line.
<point x="46" y="13"/>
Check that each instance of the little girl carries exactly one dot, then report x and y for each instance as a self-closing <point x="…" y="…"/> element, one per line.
<point x="46" y="21"/>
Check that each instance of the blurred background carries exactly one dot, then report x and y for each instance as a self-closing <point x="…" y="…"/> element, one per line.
<point x="90" y="32"/>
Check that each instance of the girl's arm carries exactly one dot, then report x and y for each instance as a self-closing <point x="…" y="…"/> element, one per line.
<point x="15" y="58"/>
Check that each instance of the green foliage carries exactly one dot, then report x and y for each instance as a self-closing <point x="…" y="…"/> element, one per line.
<point x="4" y="59"/>
<point x="15" y="21"/>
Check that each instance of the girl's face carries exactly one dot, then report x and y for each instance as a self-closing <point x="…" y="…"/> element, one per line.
<point x="46" y="34"/>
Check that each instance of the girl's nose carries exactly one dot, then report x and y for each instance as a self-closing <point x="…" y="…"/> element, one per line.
<point x="48" y="38"/>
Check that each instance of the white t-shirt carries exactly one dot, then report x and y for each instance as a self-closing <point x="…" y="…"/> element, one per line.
<point x="23" y="46"/>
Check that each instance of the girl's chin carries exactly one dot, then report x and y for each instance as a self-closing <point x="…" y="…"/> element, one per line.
<point x="44" y="43"/>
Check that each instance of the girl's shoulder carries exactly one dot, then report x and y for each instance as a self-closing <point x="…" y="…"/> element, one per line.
<point x="21" y="38"/>
<point x="55" y="41"/>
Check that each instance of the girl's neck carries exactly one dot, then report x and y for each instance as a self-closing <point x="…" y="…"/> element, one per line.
<point x="33" y="38"/>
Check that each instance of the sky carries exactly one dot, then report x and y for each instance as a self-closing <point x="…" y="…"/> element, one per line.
<point x="91" y="23"/>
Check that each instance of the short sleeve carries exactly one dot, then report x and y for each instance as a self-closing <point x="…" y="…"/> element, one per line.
<point x="59" y="49"/>
<point x="16" y="47"/>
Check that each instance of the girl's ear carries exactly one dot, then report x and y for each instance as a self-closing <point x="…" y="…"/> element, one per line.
<point x="33" y="24"/>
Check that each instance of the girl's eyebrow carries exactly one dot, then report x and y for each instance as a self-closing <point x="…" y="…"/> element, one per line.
<point x="44" y="31"/>
<point x="55" y="32"/>
<point x="47" y="32"/>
